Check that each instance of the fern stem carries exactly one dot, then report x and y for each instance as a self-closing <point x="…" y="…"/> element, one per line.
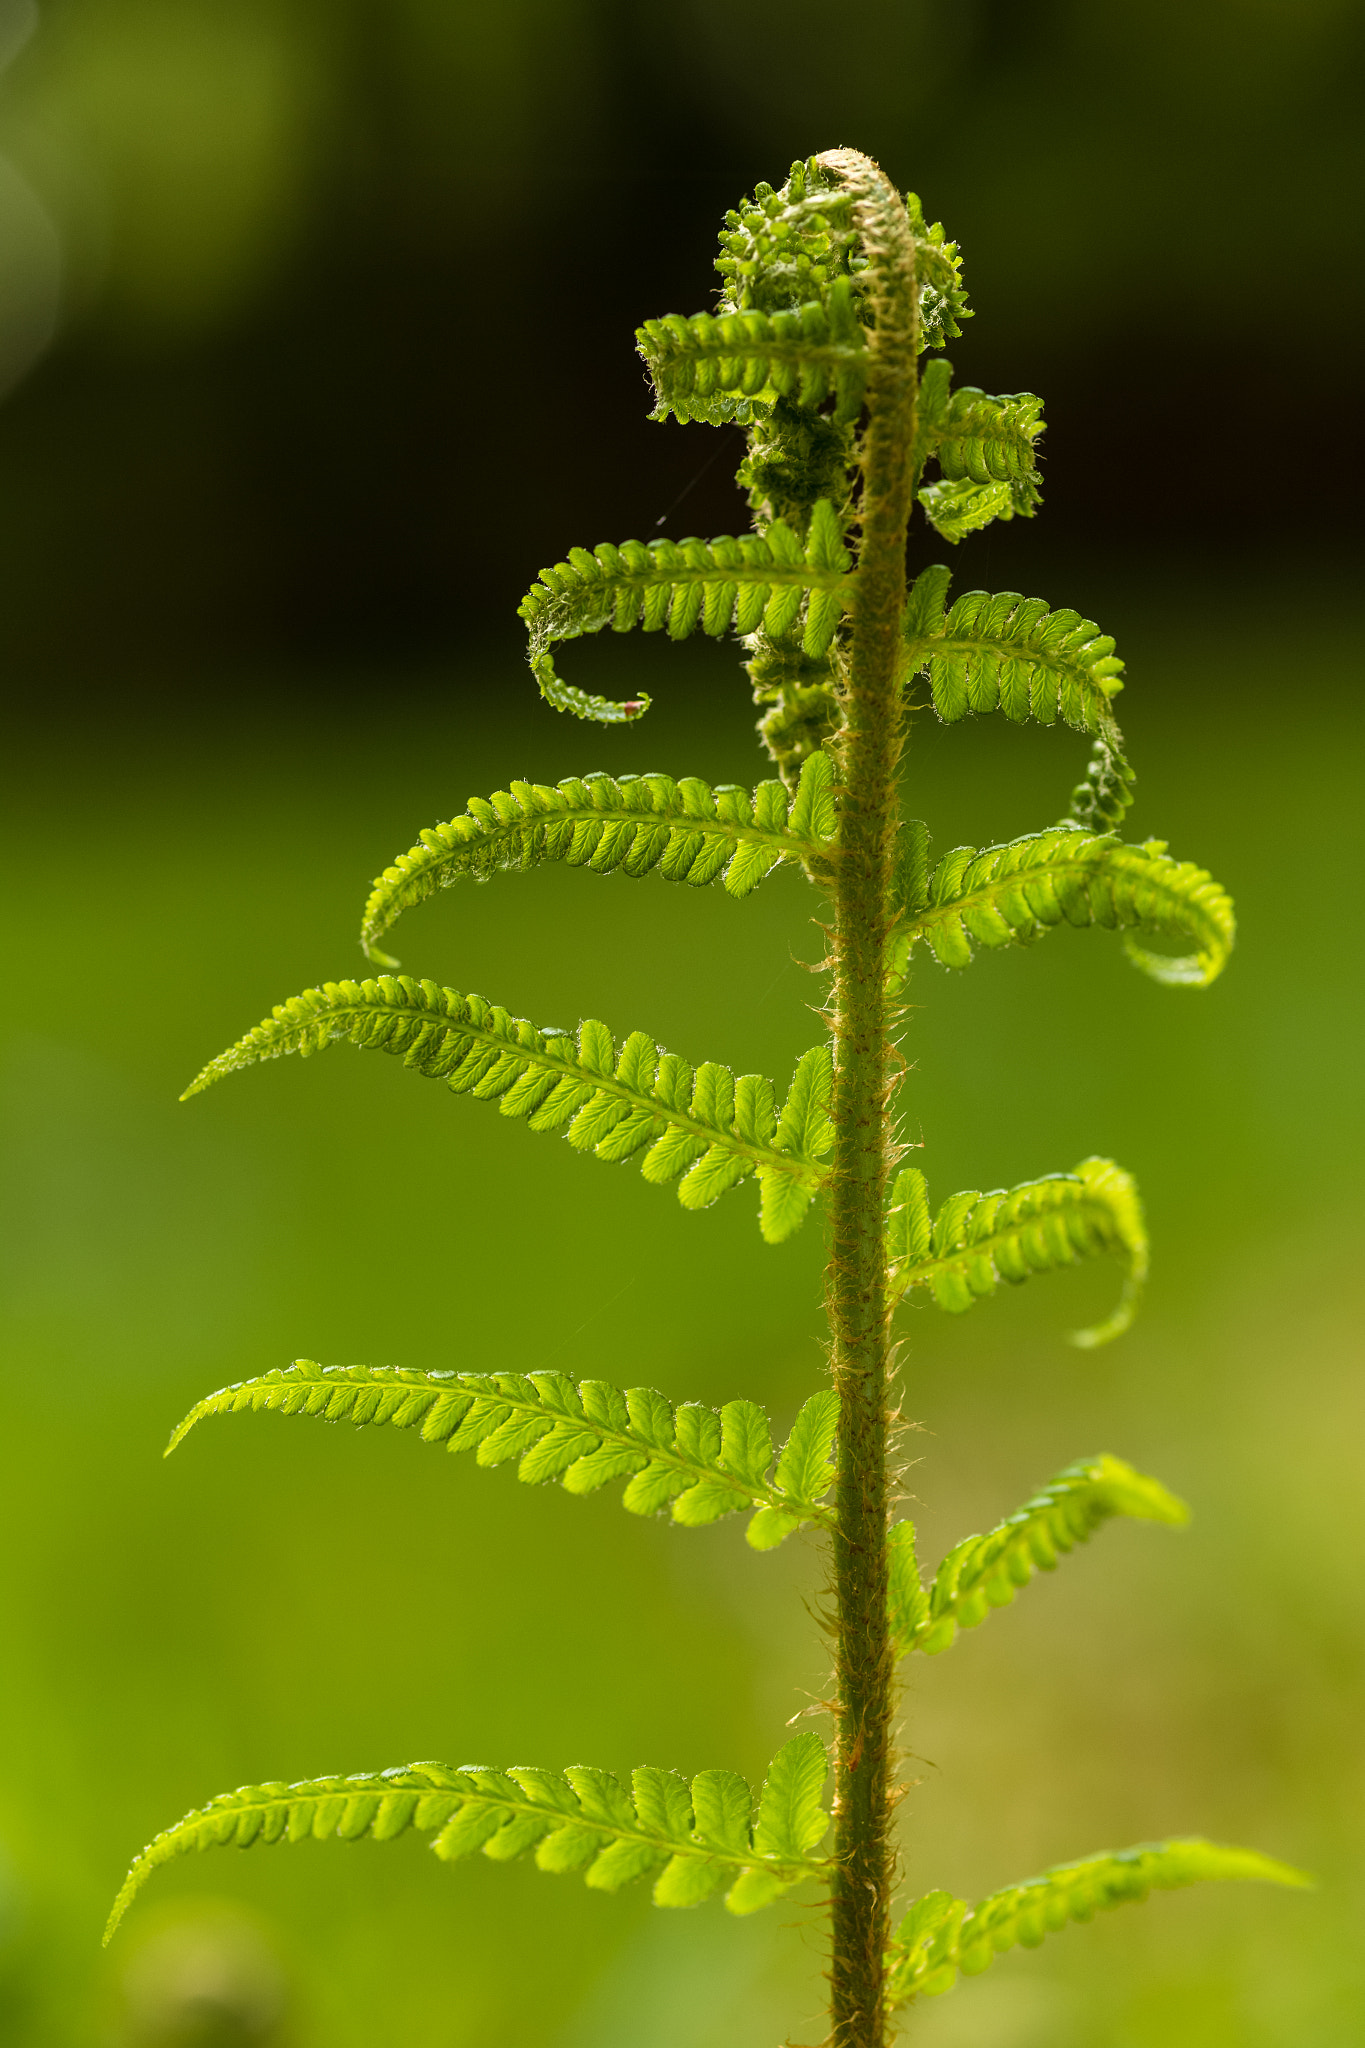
<point x="857" y="1294"/>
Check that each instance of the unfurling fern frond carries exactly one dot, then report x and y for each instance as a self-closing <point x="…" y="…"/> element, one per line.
<point x="707" y="1130"/>
<point x="938" y="269"/>
<point x="697" y="1837"/>
<point x="732" y="366"/>
<point x="1008" y="653"/>
<point x="985" y="1572"/>
<point x="941" y="1935"/>
<point x="771" y="580"/>
<point x="977" y="1240"/>
<point x="986" y="451"/>
<point x="691" y="1461"/>
<point x="686" y="830"/>
<point x="782" y="248"/>
<point x="1012" y="894"/>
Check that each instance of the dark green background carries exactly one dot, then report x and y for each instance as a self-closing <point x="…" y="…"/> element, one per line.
<point x="346" y="354"/>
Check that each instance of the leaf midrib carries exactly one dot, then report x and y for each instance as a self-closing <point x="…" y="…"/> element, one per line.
<point x="925" y="647"/>
<point x="789" y="351"/>
<point x="612" y="581"/>
<point x="515" y="1808"/>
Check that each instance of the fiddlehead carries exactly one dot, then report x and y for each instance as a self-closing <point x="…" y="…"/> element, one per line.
<point x="644" y="824"/>
<point x="941" y="1935"/>
<point x="976" y="1241"/>
<point x="690" y="1462"/>
<point x="705" y="1130"/>
<point x="692" y="1839"/>
<point x="985" y="1572"/>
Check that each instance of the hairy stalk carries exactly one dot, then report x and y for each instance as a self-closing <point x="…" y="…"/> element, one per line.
<point x="857" y="1294"/>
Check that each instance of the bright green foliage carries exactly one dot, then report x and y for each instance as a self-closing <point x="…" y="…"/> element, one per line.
<point x="1008" y="653"/>
<point x="697" y="1464"/>
<point x="774" y="582"/>
<point x="986" y="449"/>
<point x="725" y="369"/>
<point x="793" y="285"/>
<point x="783" y="247"/>
<point x="985" y="1572"/>
<point x="685" y="831"/>
<point x="696" y="1837"/>
<point x="1010" y="895"/>
<point x="707" y="1131"/>
<point x="976" y="1241"/>
<point x="941" y="1935"/>
<point x="832" y="288"/>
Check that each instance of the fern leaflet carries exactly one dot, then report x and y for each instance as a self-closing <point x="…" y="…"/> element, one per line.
<point x="697" y="1837"/>
<point x="771" y="581"/>
<point x="707" y="1131"/>
<point x="938" y="268"/>
<point x="1012" y="894"/>
<point x="686" y="830"/>
<point x="941" y="1935"/>
<point x="986" y="451"/>
<point x="985" y="1572"/>
<point x="697" y="1464"/>
<point x="976" y="1241"/>
<point x="733" y="366"/>
<point x="1008" y="653"/>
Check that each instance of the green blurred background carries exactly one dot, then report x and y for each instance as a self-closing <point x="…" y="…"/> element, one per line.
<point x="315" y="321"/>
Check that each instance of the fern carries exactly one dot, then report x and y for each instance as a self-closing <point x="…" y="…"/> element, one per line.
<point x="832" y="289"/>
<point x="1008" y="653"/>
<point x="693" y="1462"/>
<point x="985" y="1572"/>
<point x="1012" y="894"/>
<point x="697" y="1837"/>
<point x="986" y="449"/>
<point x="707" y="1131"/>
<point x="976" y="1241"/>
<point x="684" y="830"/>
<point x="729" y="368"/>
<point x="772" y="581"/>
<point x="941" y="1935"/>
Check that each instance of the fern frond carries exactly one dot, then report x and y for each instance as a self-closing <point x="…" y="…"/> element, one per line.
<point x="985" y="1572"/>
<point x="693" y="1462"/>
<point x="941" y="1935"/>
<point x="686" y="830"/>
<point x="773" y="581"/>
<point x="976" y="1241"/>
<point x="938" y="269"/>
<point x="986" y="450"/>
<point x="1012" y="894"/>
<point x="1102" y="800"/>
<point x="707" y="1130"/>
<point x="733" y="366"/>
<point x="1008" y="653"/>
<point x="784" y="247"/>
<point x="704" y="1835"/>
